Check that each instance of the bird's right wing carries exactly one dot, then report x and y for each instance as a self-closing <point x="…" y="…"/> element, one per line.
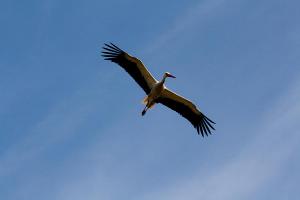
<point x="188" y="110"/>
<point x="132" y="65"/>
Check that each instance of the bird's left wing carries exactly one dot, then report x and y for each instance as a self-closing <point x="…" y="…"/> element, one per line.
<point x="188" y="110"/>
<point x="132" y="65"/>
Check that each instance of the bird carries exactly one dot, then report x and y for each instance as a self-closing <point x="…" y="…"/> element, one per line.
<point x="156" y="91"/>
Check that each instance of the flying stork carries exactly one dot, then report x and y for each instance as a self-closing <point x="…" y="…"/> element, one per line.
<point x="156" y="91"/>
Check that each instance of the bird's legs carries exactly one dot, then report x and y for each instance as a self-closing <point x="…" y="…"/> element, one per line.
<point x="149" y="105"/>
<point x="145" y="110"/>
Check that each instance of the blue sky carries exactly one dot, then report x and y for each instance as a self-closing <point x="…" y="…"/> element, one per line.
<point x="70" y="122"/>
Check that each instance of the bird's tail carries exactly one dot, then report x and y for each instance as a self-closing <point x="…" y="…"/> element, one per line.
<point x="146" y="103"/>
<point x="145" y="100"/>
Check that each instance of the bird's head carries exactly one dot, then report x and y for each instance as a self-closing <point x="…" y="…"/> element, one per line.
<point x="167" y="74"/>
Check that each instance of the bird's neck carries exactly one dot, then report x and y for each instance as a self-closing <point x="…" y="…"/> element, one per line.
<point x="163" y="79"/>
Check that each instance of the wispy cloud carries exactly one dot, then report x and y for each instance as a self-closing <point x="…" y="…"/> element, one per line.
<point x="60" y="123"/>
<point x="196" y="14"/>
<point x="263" y="159"/>
<point x="108" y="171"/>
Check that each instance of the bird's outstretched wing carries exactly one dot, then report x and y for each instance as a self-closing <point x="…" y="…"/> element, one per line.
<point x="188" y="110"/>
<point x="132" y="65"/>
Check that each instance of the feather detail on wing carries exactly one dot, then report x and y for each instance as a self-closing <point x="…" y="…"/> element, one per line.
<point x="188" y="110"/>
<point x="132" y="65"/>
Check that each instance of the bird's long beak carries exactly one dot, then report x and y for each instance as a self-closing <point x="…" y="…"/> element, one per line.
<point x="170" y="75"/>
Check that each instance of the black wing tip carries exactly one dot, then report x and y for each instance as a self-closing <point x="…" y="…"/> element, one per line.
<point x="211" y="121"/>
<point x="204" y="126"/>
<point x="111" y="52"/>
<point x="115" y="46"/>
<point x="112" y="47"/>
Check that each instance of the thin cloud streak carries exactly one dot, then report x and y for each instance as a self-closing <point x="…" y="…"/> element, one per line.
<point x="195" y="15"/>
<point x="257" y="164"/>
<point x="60" y="123"/>
<point x="262" y="160"/>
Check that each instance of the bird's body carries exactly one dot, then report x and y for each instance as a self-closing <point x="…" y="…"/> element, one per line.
<point x="156" y="90"/>
<point x="155" y="93"/>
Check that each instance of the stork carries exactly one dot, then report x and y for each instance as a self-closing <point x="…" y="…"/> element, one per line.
<point x="156" y="91"/>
